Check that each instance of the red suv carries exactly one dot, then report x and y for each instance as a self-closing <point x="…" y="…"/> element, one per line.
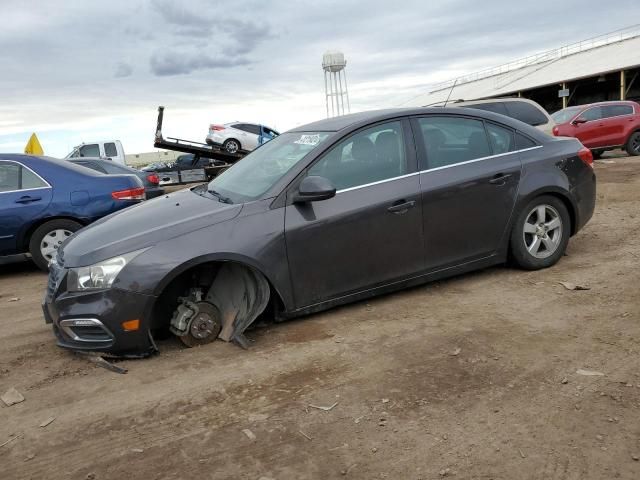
<point x="601" y="126"/>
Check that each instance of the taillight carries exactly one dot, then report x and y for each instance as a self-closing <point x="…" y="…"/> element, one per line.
<point x="586" y="156"/>
<point x="555" y="131"/>
<point x="153" y="178"/>
<point x="216" y="127"/>
<point x="129" y="194"/>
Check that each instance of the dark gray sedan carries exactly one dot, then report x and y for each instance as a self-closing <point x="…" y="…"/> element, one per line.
<point x="329" y="213"/>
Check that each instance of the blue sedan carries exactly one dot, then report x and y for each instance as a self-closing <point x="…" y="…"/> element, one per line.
<point x="44" y="200"/>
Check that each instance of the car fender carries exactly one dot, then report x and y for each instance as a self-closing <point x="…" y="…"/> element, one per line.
<point x="221" y="257"/>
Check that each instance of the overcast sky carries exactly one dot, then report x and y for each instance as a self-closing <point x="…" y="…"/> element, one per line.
<point x="75" y="70"/>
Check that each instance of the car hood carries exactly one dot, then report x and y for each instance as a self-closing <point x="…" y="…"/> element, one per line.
<point x="144" y="225"/>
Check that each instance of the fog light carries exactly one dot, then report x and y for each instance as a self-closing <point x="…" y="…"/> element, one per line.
<point x="131" y="325"/>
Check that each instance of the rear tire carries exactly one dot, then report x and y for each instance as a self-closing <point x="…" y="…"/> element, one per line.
<point x="633" y="144"/>
<point x="541" y="233"/>
<point x="597" y="154"/>
<point x="46" y="239"/>
<point x="231" y="145"/>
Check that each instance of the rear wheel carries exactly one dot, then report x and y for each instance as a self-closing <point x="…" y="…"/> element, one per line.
<point x="541" y="233"/>
<point x="597" y="154"/>
<point x="231" y="145"/>
<point x="48" y="237"/>
<point x="633" y="144"/>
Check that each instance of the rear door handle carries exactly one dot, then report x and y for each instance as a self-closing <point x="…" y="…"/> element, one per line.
<point x="499" y="179"/>
<point x="401" y="206"/>
<point x="28" y="199"/>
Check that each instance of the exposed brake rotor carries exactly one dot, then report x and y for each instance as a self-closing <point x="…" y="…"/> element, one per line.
<point x="204" y="327"/>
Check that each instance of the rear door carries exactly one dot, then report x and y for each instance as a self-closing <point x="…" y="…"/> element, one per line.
<point x="591" y="133"/>
<point x="469" y="181"/>
<point x="23" y="196"/>
<point x="616" y="121"/>
<point x="370" y="233"/>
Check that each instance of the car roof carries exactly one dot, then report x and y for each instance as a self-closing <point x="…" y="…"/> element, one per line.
<point x="30" y="160"/>
<point x="610" y="102"/>
<point x="356" y="120"/>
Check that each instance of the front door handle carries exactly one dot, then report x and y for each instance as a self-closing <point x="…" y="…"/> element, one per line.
<point x="28" y="199"/>
<point x="401" y="206"/>
<point x="499" y="179"/>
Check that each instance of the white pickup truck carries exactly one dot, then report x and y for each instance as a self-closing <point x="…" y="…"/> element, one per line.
<point x="111" y="149"/>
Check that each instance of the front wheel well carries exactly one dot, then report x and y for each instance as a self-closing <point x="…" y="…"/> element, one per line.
<point x="200" y="276"/>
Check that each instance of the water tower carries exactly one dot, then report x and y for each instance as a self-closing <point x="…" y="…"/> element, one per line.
<point x="333" y="64"/>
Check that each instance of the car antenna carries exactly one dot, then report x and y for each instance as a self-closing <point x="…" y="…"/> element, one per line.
<point x="450" y="92"/>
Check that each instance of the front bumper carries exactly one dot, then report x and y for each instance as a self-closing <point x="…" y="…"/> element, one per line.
<point x="92" y="321"/>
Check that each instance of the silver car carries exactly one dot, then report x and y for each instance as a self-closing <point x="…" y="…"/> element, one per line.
<point x="236" y="136"/>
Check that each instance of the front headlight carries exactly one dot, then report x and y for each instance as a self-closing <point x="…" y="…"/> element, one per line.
<point x="99" y="276"/>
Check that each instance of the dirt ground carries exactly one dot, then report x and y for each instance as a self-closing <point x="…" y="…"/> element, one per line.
<point x="471" y="378"/>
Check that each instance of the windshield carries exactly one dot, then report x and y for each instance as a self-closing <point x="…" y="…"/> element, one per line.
<point x="566" y="114"/>
<point x="256" y="173"/>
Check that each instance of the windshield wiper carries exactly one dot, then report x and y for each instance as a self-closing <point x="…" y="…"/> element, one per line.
<point x="220" y="197"/>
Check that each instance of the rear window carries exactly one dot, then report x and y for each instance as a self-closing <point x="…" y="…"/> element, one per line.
<point x="527" y="113"/>
<point x="490" y="107"/>
<point x="110" y="150"/>
<point x="617" y="110"/>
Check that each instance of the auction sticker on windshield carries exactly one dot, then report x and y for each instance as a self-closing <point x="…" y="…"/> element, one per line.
<point x="308" y="140"/>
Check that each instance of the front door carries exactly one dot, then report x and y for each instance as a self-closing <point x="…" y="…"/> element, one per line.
<point x="469" y="182"/>
<point x="23" y="195"/>
<point x="370" y="233"/>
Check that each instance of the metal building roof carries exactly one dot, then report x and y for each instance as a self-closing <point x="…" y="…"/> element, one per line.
<point x="607" y="53"/>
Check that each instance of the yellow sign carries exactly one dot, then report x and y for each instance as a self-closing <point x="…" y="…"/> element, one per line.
<point x="33" y="146"/>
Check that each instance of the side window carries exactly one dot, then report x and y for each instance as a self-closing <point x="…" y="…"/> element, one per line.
<point x="110" y="150"/>
<point x="251" y="128"/>
<point x="616" y="110"/>
<point x="368" y="156"/>
<point x="491" y="107"/>
<point x="9" y="177"/>
<point x="90" y="150"/>
<point x="451" y="140"/>
<point x="241" y="126"/>
<point x="31" y="180"/>
<point x="523" y="142"/>
<point x="501" y="139"/>
<point x="594" y="113"/>
<point x="527" y="113"/>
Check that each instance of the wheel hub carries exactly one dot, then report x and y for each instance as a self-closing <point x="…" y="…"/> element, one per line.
<point x="202" y="326"/>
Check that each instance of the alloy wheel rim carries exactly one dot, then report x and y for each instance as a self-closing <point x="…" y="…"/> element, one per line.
<point x="232" y="147"/>
<point x="52" y="241"/>
<point x="542" y="232"/>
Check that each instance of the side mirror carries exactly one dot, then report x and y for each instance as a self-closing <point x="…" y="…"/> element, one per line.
<point x="313" y="189"/>
<point x="579" y="121"/>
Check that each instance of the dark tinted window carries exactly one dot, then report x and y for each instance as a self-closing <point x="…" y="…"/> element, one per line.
<point x="490" y="107"/>
<point x="90" y="150"/>
<point x="251" y="128"/>
<point x="593" y="113"/>
<point x="203" y="162"/>
<point x="9" y="177"/>
<point x="110" y="150"/>
<point x="92" y="166"/>
<point x="523" y="142"/>
<point x="527" y="113"/>
<point x="501" y="139"/>
<point x="616" y="110"/>
<point x="368" y="156"/>
<point x="451" y="140"/>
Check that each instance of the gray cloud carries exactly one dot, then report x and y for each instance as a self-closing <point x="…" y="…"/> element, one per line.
<point x="123" y="70"/>
<point x="170" y="63"/>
